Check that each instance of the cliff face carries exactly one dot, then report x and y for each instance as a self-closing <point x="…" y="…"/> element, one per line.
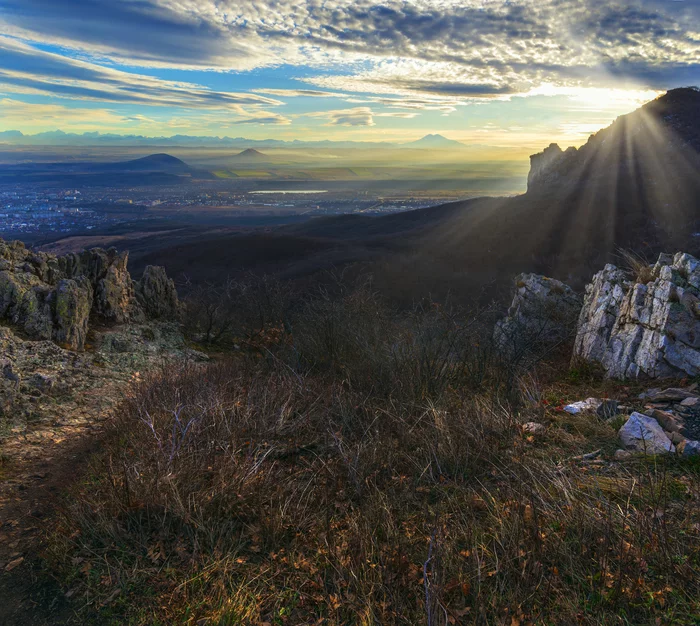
<point x="662" y="136"/>
<point x="50" y="297"/>
<point x="550" y="165"/>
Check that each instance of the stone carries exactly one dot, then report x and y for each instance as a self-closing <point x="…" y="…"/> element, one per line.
<point x="603" y="408"/>
<point x="669" y="422"/>
<point x="49" y="297"/>
<point x="42" y="382"/>
<point x="543" y="313"/>
<point x="672" y="394"/>
<point x="643" y="329"/>
<point x="590" y="404"/>
<point x="72" y="312"/>
<point x="690" y="402"/>
<point x="114" y="294"/>
<point x="601" y="304"/>
<point x="690" y="448"/>
<point x="623" y="455"/>
<point x="533" y="428"/>
<point x="156" y="293"/>
<point x="642" y="433"/>
<point x="607" y="409"/>
<point x="676" y="439"/>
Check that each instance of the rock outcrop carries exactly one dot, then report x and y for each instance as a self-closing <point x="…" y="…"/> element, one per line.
<point x="643" y="329"/>
<point x="53" y="298"/>
<point x="548" y="166"/>
<point x="543" y="313"/>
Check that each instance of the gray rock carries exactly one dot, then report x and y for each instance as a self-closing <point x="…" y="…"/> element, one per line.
<point x="156" y="293"/>
<point x="642" y="433"/>
<point x="690" y="448"/>
<point x="690" y="402"/>
<point x="601" y="305"/>
<point x="647" y="329"/>
<point x="72" y="312"/>
<point x="51" y="297"/>
<point x="543" y="313"/>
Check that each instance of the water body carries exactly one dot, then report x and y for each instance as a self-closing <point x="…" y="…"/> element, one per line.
<point x="285" y="191"/>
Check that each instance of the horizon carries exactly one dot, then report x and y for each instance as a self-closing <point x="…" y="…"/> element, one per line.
<point x="483" y="72"/>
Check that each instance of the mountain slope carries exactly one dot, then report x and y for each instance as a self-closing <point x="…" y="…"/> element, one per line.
<point x="435" y="142"/>
<point x="153" y="163"/>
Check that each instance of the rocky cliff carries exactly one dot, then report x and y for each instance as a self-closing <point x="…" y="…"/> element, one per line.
<point x="50" y="297"/>
<point x="645" y="326"/>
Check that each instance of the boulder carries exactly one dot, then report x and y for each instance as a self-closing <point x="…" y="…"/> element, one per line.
<point x="642" y="433"/>
<point x="543" y="313"/>
<point x="72" y="312"/>
<point x="643" y="329"/>
<point x="156" y="293"/>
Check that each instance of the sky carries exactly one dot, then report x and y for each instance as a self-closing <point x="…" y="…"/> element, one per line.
<point x="486" y="72"/>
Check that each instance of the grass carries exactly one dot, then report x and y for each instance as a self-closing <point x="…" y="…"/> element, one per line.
<point x="354" y="465"/>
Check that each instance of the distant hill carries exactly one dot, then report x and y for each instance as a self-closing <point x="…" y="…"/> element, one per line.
<point x="434" y="142"/>
<point x="251" y="153"/>
<point x="634" y="185"/>
<point x="153" y="163"/>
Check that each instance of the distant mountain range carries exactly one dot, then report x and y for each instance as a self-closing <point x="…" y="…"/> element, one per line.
<point x="60" y="138"/>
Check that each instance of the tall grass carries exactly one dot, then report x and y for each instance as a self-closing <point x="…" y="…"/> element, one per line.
<point x="368" y="468"/>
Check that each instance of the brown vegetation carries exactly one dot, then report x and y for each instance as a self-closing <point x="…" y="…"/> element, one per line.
<point x="349" y="465"/>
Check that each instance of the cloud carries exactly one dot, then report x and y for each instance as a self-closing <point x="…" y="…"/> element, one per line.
<point x="24" y="69"/>
<point x="459" y="50"/>
<point x="142" y="32"/>
<point x="14" y="114"/>
<point x="299" y="93"/>
<point x="358" y="116"/>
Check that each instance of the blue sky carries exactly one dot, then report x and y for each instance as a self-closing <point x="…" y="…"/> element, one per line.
<point x="520" y="73"/>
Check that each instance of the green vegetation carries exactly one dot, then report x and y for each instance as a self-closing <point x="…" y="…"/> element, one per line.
<point x="352" y="464"/>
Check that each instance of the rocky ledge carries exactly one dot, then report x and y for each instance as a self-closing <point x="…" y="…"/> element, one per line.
<point x="641" y="326"/>
<point x="55" y="298"/>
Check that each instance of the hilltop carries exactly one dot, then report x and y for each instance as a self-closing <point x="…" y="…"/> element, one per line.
<point x="434" y="142"/>
<point x="251" y="153"/>
<point x="154" y="163"/>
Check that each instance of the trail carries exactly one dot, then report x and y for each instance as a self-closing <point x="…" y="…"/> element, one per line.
<point x="38" y="468"/>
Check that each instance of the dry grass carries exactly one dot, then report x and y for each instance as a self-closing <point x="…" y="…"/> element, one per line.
<point x="316" y="485"/>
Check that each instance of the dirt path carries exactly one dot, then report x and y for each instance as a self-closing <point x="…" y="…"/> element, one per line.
<point x="54" y="406"/>
<point x="38" y="467"/>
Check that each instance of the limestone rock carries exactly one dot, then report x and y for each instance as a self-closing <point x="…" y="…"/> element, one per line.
<point x="156" y="293"/>
<point x="72" y="312"/>
<point x="543" y="313"/>
<point x="643" y="329"/>
<point x="601" y="306"/>
<point x="644" y="434"/>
